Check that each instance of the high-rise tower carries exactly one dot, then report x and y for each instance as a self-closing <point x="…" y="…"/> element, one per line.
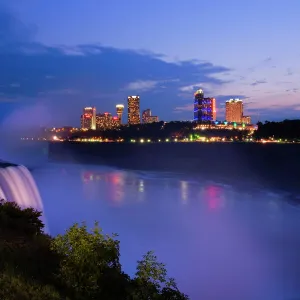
<point x="133" y="110"/>
<point x="88" y="118"/>
<point x="204" y="108"/>
<point x="234" y="111"/>
<point x="120" y="109"/>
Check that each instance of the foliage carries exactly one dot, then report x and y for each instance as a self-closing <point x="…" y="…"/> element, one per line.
<point x="24" y="248"/>
<point x="16" y="288"/>
<point x="19" y="222"/>
<point x="80" y="264"/>
<point x="151" y="281"/>
<point x="90" y="265"/>
<point x="287" y="129"/>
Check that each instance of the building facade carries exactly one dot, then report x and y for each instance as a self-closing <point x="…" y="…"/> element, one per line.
<point x="146" y="113"/>
<point x="234" y="111"/>
<point x="151" y="119"/>
<point x="214" y="109"/>
<point x="204" y="108"/>
<point x="88" y="118"/>
<point x="106" y="121"/>
<point x="246" y="119"/>
<point x="120" y="110"/>
<point x="133" y="110"/>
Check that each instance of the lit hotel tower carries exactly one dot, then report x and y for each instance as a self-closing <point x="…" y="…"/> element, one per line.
<point x="120" y="109"/>
<point x="134" y="110"/>
<point x="88" y="118"/>
<point x="234" y="111"/>
<point x="204" y="108"/>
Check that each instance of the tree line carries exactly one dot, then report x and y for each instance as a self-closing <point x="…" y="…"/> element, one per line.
<point x="287" y="129"/>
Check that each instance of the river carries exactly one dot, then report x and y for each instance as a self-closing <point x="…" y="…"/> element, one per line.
<point x="219" y="241"/>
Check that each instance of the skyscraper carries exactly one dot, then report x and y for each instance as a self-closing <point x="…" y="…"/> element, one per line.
<point x="88" y="118"/>
<point x="120" y="109"/>
<point x="234" y="111"/>
<point x="146" y="113"/>
<point x="204" y="108"/>
<point x="134" y="110"/>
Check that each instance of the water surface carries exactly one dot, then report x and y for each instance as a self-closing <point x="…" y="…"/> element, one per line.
<point x="218" y="241"/>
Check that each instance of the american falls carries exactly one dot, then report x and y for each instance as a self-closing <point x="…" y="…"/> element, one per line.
<point x="18" y="185"/>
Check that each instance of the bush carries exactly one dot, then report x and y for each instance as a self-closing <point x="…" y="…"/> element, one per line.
<point x="16" y="288"/>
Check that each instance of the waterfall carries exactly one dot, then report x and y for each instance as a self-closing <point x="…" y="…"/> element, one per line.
<point x="18" y="185"/>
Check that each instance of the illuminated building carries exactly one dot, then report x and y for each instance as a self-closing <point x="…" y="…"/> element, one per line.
<point x="120" y="109"/>
<point x="246" y="119"/>
<point x="204" y="108"/>
<point x="234" y="111"/>
<point x="88" y="118"/>
<point x="151" y="119"/>
<point x="214" y="109"/>
<point x="147" y="117"/>
<point x="146" y="113"/>
<point x="133" y="110"/>
<point x="106" y="121"/>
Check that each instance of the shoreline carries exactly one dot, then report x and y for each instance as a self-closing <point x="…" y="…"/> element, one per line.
<point x="272" y="165"/>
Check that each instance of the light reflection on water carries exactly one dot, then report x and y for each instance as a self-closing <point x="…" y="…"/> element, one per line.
<point x="220" y="243"/>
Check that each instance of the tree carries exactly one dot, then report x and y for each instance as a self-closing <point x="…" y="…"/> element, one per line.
<point x="90" y="266"/>
<point x="151" y="281"/>
<point x="90" y="269"/>
<point x="19" y="222"/>
<point x="24" y="248"/>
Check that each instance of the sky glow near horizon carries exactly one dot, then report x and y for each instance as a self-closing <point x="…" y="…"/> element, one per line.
<point x="59" y="56"/>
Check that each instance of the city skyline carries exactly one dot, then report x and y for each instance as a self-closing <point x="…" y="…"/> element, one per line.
<point x="204" y="110"/>
<point x="93" y="119"/>
<point x="77" y="65"/>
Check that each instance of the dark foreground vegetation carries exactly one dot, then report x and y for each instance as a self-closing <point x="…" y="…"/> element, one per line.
<point x="79" y="265"/>
<point x="287" y="129"/>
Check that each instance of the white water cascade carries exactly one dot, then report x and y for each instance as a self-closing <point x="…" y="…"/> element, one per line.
<point x="18" y="185"/>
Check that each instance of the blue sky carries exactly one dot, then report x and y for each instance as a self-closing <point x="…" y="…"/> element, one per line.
<point x="58" y="56"/>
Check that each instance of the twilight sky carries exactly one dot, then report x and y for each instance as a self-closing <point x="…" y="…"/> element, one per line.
<point x="60" y="55"/>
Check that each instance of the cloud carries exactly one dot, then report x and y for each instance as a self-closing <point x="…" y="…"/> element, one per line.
<point x="14" y="85"/>
<point x="268" y="59"/>
<point x="7" y="100"/>
<point x="141" y="85"/>
<point x="186" y="107"/>
<point x="289" y="72"/>
<point x="93" y="74"/>
<point x="62" y="92"/>
<point x="257" y="82"/>
<point x="294" y="90"/>
<point x="66" y="78"/>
